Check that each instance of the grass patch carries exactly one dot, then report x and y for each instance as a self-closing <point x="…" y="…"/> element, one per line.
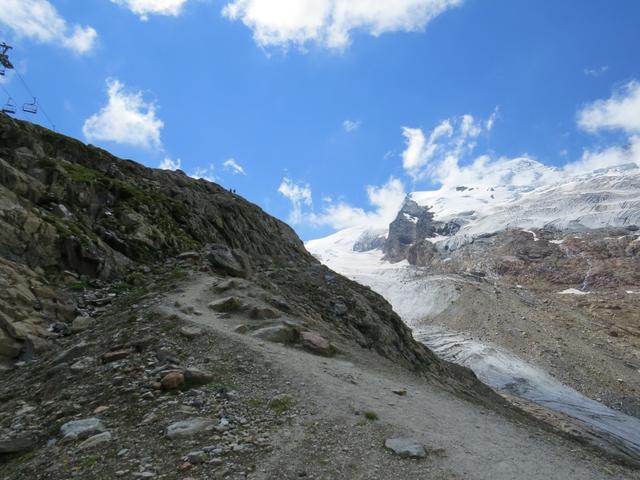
<point x="281" y="404"/>
<point x="371" y="415"/>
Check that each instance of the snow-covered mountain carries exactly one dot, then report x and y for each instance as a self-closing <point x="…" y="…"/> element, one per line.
<point x="518" y="194"/>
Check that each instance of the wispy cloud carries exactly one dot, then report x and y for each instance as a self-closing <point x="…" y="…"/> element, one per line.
<point x="126" y="119"/>
<point x="299" y="195"/>
<point x="234" y="167"/>
<point x="330" y="23"/>
<point x="170" y="164"/>
<point x="351" y="125"/>
<point x="205" y="173"/>
<point x="39" y="20"/>
<point x="596" y="72"/>
<point x="144" y="8"/>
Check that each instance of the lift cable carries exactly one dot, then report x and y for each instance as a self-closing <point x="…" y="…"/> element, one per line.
<point x="26" y="87"/>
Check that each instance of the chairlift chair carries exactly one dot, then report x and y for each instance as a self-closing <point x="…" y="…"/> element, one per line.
<point x="30" y="107"/>
<point x="9" y="107"/>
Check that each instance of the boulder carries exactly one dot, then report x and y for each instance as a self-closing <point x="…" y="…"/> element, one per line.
<point x="316" y="343"/>
<point x="406" y="447"/>
<point x="228" y="305"/>
<point x="232" y="262"/>
<point x="277" y="334"/>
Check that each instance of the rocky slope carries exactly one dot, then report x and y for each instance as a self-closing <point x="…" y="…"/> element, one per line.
<point x="96" y="356"/>
<point x="71" y="213"/>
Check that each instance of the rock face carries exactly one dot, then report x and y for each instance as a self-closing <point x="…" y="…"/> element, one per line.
<point x="413" y="224"/>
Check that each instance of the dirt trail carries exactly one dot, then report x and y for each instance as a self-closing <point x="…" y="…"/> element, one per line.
<point x="334" y="442"/>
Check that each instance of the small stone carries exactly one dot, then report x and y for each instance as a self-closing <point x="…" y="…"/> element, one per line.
<point x="400" y="391"/>
<point x="406" y="447"/>
<point x="79" y="429"/>
<point x="101" y="409"/>
<point x="115" y="356"/>
<point x="172" y="380"/>
<point x="242" y="329"/>
<point x="98" y="439"/>
<point x="190" y="332"/>
<point x="188" y="428"/>
<point x="228" y="305"/>
<point x="80" y="324"/>
<point x="195" y="458"/>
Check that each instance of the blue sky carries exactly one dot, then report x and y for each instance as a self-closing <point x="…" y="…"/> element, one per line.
<point x="300" y="104"/>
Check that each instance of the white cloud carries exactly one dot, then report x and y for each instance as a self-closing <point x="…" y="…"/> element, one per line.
<point x="234" y="167"/>
<point x="351" y="125"/>
<point x="205" y="173"/>
<point x="170" y="164"/>
<point x="596" y="72"/>
<point x="331" y="23"/>
<point x="40" y="21"/>
<point x="620" y="112"/>
<point x="127" y="119"/>
<point x="385" y="199"/>
<point x="298" y="195"/>
<point x="144" y="8"/>
<point x="452" y="138"/>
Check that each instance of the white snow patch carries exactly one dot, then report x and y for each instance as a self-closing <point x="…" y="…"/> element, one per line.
<point x="573" y="291"/>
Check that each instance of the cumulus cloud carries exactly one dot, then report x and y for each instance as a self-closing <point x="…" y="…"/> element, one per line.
<point x="40" y="21"/>
<point x="620" y="112"/>
<point x="299" y="195"/>
<point x="170" y="164"/>
<point x="331" y="23"/>
<point x="144" y="8"/>
<point x="450" y="139"/>
<point x="351" y="125"/>
<point x="234" y="167"/>
<point x="126" y="118"/>
<point x="385" y="201"/>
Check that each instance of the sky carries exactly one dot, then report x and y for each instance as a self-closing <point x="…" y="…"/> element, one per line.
<point x="327" y="112"/>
